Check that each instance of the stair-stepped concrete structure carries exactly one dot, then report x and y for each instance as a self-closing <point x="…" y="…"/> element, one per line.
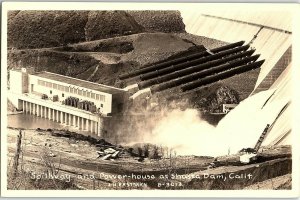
<point x="275" y="72"/>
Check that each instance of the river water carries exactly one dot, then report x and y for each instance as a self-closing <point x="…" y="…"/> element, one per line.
<point x="28" y="121"/>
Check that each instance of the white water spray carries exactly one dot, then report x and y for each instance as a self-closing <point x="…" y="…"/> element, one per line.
<point x="183" y="132"/>
<point x="187" y="134"/>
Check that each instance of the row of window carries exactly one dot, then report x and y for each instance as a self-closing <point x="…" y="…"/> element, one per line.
<point x="72" y="90"/>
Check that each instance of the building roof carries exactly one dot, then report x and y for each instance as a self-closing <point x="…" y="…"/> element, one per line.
<point x="79" y="82"/>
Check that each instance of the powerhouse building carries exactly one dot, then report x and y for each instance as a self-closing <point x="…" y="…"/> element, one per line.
<point x="70" y="101"/>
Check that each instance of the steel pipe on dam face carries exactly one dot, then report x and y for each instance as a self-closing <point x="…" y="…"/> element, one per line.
<point x="229" y="46"/>
<point x="203" y="74"/>
<point x="180" y="66"/>
<point x="178" y="60"/>
<point x="222" y="75"/>
<point x="189" y="70"/>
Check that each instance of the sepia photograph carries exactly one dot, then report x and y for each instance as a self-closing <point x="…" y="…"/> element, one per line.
<point x="181" y="97"/>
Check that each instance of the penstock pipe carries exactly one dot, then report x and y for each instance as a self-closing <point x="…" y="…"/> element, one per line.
<point x="178" y="60"/>
<point x="189" y="70"/>
<point x="220" y="76"/>
<point x="180" y="66"/>
<point x="203" y="74"/>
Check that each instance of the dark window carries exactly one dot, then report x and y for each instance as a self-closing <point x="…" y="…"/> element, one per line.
<point x="101" y="105"/>
<point x="63" y="95"/>
<point x="50" y="91"/>
<point x="120" y="107"/>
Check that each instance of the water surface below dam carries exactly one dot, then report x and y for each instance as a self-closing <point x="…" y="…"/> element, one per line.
<point x="27" y="121"/>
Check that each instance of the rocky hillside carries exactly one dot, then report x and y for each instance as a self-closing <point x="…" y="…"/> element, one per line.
<point x="39" y="29"/>
<point x="215" y="98"/>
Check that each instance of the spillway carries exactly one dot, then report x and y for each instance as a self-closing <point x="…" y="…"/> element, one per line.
<point x="272" y="40"/>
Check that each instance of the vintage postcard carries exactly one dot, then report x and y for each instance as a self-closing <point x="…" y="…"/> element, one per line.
<point x="149" y="99"/>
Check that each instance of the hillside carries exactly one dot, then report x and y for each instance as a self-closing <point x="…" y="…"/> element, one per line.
<point x="39" y="29"/>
